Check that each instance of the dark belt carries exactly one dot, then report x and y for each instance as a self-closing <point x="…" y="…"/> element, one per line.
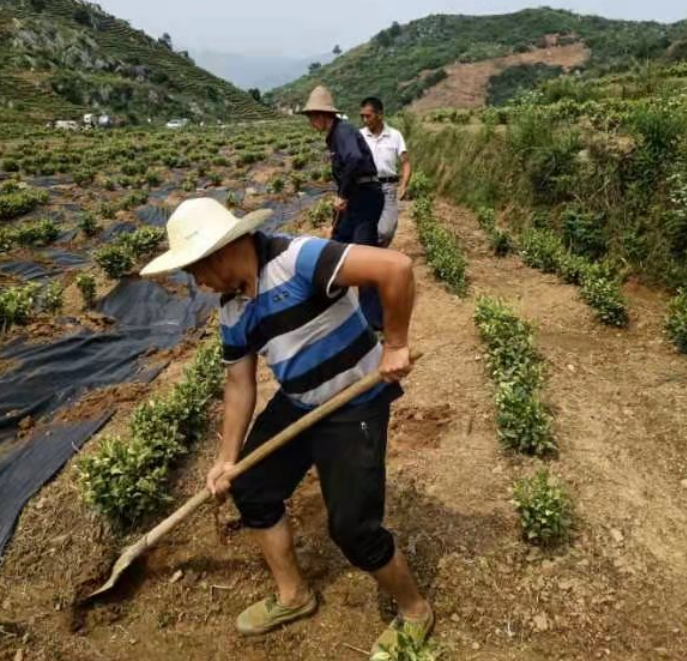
<point x="388" y="180"/>
<point x="367" y="180"/>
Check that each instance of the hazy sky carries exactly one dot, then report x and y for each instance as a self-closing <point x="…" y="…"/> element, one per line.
<point x="307" y="27"/>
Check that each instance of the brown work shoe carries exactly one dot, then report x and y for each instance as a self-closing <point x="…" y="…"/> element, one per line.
<point x="403" y="634"/>
<point x="269" y="614"/>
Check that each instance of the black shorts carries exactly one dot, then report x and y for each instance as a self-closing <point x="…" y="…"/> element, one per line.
<point x="349" y="451"/>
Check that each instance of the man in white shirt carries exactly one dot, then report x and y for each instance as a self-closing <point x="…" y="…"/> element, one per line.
<point x="388" y="149"/>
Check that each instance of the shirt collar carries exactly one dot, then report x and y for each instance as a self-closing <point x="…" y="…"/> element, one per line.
<point x="386" y="132"/>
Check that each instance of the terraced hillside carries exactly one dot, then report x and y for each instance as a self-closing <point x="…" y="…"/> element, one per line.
<point x="59" y="58"/>
<point x="402" y="62"/>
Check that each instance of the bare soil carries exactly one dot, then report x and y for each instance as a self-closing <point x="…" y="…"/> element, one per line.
<point x="467" y="85"/>
<point x="617" y="592"/>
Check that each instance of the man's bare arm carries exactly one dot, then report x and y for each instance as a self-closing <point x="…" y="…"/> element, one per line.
<point x="406" y="174"/>
<point x="240" y="394"/>
<point x="392" y="274"/>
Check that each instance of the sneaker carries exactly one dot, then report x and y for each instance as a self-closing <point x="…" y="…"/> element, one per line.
<point x="269" y="614"/>
<point x="416" y="633"/>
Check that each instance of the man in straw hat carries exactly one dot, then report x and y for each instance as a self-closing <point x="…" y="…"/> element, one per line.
<point x="360" y="199"/>
<point x="289" y="300"/>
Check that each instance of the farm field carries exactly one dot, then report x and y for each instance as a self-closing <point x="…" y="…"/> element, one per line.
<point x="615" y="589"/>
<point x="537" y="464"/>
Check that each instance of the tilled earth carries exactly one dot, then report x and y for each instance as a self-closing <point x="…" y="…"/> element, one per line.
<point x="617" y="592"/>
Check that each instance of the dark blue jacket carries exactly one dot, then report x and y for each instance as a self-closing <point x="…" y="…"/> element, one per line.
<point x="351" y="157"/>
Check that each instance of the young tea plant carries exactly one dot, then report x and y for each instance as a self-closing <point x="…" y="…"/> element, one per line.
<point x="515" y="365"/>
<point x="409" y="649"/>
<point x="127" y="479"/>
<point x="53" y="297"/>
<point x="444" y="253"/>
<point x="87" y="286"/>
<point x="545" y="508"/>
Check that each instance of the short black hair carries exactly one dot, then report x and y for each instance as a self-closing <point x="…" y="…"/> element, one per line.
<point x="375" y="102"/>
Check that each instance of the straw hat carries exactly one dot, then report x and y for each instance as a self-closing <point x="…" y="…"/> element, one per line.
<point x="197" y="229"/>
<point x="321" y="100"/>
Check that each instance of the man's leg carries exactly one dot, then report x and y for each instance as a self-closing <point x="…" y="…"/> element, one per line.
<point x="388" y="223"/>
<point x="276" y="544"/>
<point x="259" y="495"/>
<point x="350" y="459"/>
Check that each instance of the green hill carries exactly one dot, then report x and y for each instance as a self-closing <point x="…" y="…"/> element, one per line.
<point x="400" y="63"/>
<point x="60" y="58"/>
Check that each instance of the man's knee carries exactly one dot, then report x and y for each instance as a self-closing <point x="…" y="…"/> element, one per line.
<point x="255" y="514"/>
<point x="366" y="547"/>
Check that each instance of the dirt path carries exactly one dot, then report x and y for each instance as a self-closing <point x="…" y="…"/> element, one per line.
<point x="618" y="593"/>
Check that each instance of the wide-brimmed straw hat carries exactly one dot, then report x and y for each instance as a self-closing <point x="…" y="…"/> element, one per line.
<point x="198" y="228"/>
<point x="321" y="100"/>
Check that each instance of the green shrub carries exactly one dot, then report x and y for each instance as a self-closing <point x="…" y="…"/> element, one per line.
<point x="13" y="205"/>
<point x="17" y="305"/>
<point x="152" y="178"/>
<point x="107" y="209"/>
<point x="87" y="286"/>
<point x="142" y="241"/>
<point x="119" y="257"/>
<point x="127" y="480"/>
<point x="116" y="260"/>
<point x="53" y="297"/>
<point x="541" y="249"/>
<point x="189" y="184"/>
<point x="276" y="186"/>
<point x="444" y="253"/>
<point x="420" y="186"/>
<point x="88" y="224"/>
<point x="299" y="161"/>
<point x="517" y="369"/>
<point x="545" y="508"/>
<point x="296" y="179"/>
<point x="322" y="213"/>
<point x="604" y="295"/>
<point x="83" y="177"/>
<point x="408" y="649"/>
<point x="523" y="421"/>
<point x="583" y="233"/>
<point x="501" y="243"/>
<point x="215" y="178"/>
<point x="41" y="232"/>
<point x="6" y="239"/>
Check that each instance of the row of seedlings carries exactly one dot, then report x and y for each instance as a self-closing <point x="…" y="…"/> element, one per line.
<point x="524" y="423"/>
<point x="444" y="253"/>
<point x="600" y="286"/>
<point x="126" y="479"/>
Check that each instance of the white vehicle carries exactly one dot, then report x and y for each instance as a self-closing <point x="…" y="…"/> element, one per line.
<point x="89" y="120"/>
<point x="66" y="125"/>
<point x="176" y="123"/>
<point x="104" y="121"/>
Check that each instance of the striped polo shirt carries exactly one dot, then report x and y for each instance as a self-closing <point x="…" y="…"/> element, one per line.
<point x="312" y="333"/>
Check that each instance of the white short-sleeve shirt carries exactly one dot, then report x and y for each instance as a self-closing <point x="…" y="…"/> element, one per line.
<point x="387" y="148"/>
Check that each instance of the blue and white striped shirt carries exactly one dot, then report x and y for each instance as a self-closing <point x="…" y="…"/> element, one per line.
<point x="312" y="333"/>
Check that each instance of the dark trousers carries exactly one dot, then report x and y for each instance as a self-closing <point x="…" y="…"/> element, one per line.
<point x="349" y="454"/>
<point x="359" y="225"/>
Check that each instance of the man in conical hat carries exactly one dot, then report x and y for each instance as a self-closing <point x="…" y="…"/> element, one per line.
<point x="290" y="300"/>
<point x="360" y="200"/>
